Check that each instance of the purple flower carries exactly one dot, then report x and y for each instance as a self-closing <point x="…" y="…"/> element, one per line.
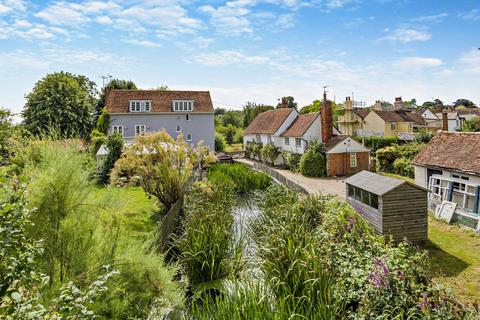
<point x="379" y="276"/>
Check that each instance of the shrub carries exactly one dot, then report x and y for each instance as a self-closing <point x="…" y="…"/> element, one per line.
<point x="208" y="248"/>
<point x="292" y="160"/>
<point x="423" y="136"/>
<point x="270" y="153"/>
<point x="256" y="150"/>
<point x="377" y="142"/>
<point x="114" y="145"/>
<point x="96" y="140"/>
<point x="103" y="122"/>
<point x="404" y="167"/>
<point x="219" y="143"/>
<point x="387" y="157"/>
<point x="313" y="162"/>
<point x="241" y="177"/>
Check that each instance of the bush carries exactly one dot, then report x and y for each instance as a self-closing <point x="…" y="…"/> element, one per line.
<point x="387" y="157"/>
<point x="242" y="178"/>
<point x="253" y="150"/>
<point x="377" y="142"/>
<point x="219" y="143"/>
<point x="423" y="136"/>
<point x="404" y="167"/>
<point x="313" y="163"/>
<point x="270" y="153"/>
<point x="292" y="160"/>
<point x="114" y="145"/>
<point x="96" y="140"/>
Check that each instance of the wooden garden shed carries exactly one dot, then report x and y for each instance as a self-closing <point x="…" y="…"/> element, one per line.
<point x="392" y="206"/>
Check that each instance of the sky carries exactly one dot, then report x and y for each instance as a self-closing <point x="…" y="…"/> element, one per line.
<point x="248" y="50"/>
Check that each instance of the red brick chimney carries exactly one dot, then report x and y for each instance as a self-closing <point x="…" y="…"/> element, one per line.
<point x="327" y="119"/>
<point x="444" y="121"/>
<point x="284" y="103"/>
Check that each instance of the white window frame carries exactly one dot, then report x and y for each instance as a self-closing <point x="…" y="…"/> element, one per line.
<point x="118" y="129"/>
<point x="182" y="105"/>
<point x="189" y="137"/>
<point x="298" y="142"/>
<point x="287" y="141"/>
<point x="353" y="160"/>
<point x="178" y="128"/>
<point x="139" y="131"/>
<point x="140" y="105"/>
<point x="393" y="126"/>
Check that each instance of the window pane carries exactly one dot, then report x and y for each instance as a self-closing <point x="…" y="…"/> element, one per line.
<point x="358" y="193"/>
<point x="374" y="200"/>
<point x="351" y="191"/>
<point x="365" y="197"/>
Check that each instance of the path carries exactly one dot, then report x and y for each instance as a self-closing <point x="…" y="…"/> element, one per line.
<point x="335" y="186"/>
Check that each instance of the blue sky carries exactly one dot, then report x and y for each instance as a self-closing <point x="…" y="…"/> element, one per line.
<point x="248" y="50"/>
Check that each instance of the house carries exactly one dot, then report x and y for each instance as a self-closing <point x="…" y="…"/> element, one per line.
<point x="352" y="120"/>
<point x="292" y="132"/>
<point x="468" y="114"/>
<point x="386" y="123"/>
<point x="449" y="167"/>
<point x="427" y="115"/>
<point x="136" y="112"/>
<point x="392" y="206"/>
<point x="454" y="120"/>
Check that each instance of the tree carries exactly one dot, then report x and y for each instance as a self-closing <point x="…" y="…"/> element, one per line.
<point x="312" y="107"/>
<point x="291" y="103"/>
<point x="232" y="117"/>
<point x="251" y="110"/>
<point x="114" y="146"/>
<point x="61" y="102"/>
<point x="162" y="87"/>
<point x="428" y="104"/>
<point x="6" y="127"/>
<point x="464" y="102"/>
<point x="219" y="111"/>
<point x="410" y="103"/>
<point x="113" y="84"/>
<point x="472" y="125"/>
<point x="229" y="133"/>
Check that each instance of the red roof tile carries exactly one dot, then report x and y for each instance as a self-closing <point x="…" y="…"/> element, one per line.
<point x="300" y="125"/>
<point x="361" y="112"/>
<point x="118" y="100"/>
<point x="393" y="116"/>
<point x="268" y="122"/>
<point x="458" y="151"/>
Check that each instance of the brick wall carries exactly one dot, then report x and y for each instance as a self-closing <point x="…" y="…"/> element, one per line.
<point x="338" y="164"/>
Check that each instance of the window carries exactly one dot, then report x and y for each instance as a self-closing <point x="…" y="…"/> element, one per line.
<point x="117" y="129"/>
<point x="373" y="201"/>
<point x="258" y="138"/>
<point x="182" y="105"/>
<point x="140" y="105"/>
<point x="140" y="129"/>
<point x="363" y="196"/>
<point x="393" y="126"/>
<point x="353" y="160"/>
<point x="189" y="137"/>
<point x="298" y="142"/>
<point x="179" y="129"/>
<point x="287" y="141"/>
<point x="351" y="190"/>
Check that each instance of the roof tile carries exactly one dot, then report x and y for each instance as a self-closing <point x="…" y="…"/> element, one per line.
<point x="268" y="122"/>
<point x="300" y="125"/>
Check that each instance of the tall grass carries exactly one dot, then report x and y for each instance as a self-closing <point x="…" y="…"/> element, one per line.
<point x="240" y="176"/>
<point x="209" y="249"/>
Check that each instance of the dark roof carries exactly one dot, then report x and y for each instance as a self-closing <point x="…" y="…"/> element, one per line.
<point x="334" y="141"/>
<point x="361" y="112"/>
<point x="451" y="115"/>
<point x="300" y="125"/>
<point x="457" y="151"/>
<point x="269" y="121"/>
<point x="416" y="118"/>
<point x="393" y="116"/>
<point x="468" y="111"/>
<point x="118" y="100"/>
<point x="376" y="183"/>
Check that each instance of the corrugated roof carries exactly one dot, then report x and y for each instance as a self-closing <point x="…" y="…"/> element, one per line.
<point x="458" y="151"/>
<point x="300" y="125"/>
<point x="268" y="122"/>
<point x="118" y="99"/>
<point x="376" y="183"/>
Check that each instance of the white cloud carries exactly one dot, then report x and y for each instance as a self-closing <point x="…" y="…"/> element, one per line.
<point x="431" y="18"/>
<point x="26" y="30"/>
<point x="406" y="35"/>
<point x="62" y="13"/>
<point x="285" y="21"/>
<point x="105" y="20"/>
<point x="232" y="18"/>
<point x="143" y="43"/>
<point x="470" y="62"/>
<point x="418" y="62"/>
<point x="4" y="9"/>
<point x="473" y="15"/>
<point x="229" y="57"/>
<point x="203" y="42"/>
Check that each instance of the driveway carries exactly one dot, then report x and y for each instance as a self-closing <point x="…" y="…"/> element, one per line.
<point x="333" y="185"/>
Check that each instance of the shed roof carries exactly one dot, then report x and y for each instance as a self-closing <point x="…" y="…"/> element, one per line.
<point x="377" y="183"/>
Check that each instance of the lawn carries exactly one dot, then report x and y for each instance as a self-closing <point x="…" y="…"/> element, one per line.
<point x="455" y="259"/>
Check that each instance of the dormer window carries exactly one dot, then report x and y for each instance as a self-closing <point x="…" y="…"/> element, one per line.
<point x="140" y="105"/>
<point x="182" y="105"/>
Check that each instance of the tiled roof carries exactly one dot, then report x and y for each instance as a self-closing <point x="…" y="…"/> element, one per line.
<point x="300" y="125"/>
<point x="457" y="151"/>
<point x="393" y="116"/>
<point x="268" y="122"/>
<point x="334" y="141"/>
<point x="361" y="112"/>
<point x="451" y="115"/>
<point x="118" y="100"/>
<point x="475" y="111"/>
<point x="416" y="118"/>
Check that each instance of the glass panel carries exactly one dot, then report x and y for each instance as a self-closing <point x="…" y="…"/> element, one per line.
<point x="351" y="191"/>
<point x="365" y="197"/>
<point x="358" y="193"/>
<point x="373" y="201"/>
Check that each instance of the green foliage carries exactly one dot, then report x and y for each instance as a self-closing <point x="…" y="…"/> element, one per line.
<point x="62" y="101"/>
<point x="251" y="110"/>
<point x="472" y="125"/>
<point x="103" y="122"/>
<point x="229" y="133"/>
<point x="397" y="158"/>
<point x="241" y="177"/>
<point x="114" y="145"/>
<point x="270" y="153"/>
<point x="423" y="136"/>
<point x="96" y="140"/>
<point x="6" y="127"/>
<point x="233" y="118"/>
<point x="209" y="250"/>
<point x="253" y="150"/>
<point x="464" y="102"/>
<point x="219" y="143"/>
<point x="113" y="84"/>
<point x="292" y="160"/>
<point x="313" y="162"/>
<point x="290" y="101"/>
<point x="376" y="142"/>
